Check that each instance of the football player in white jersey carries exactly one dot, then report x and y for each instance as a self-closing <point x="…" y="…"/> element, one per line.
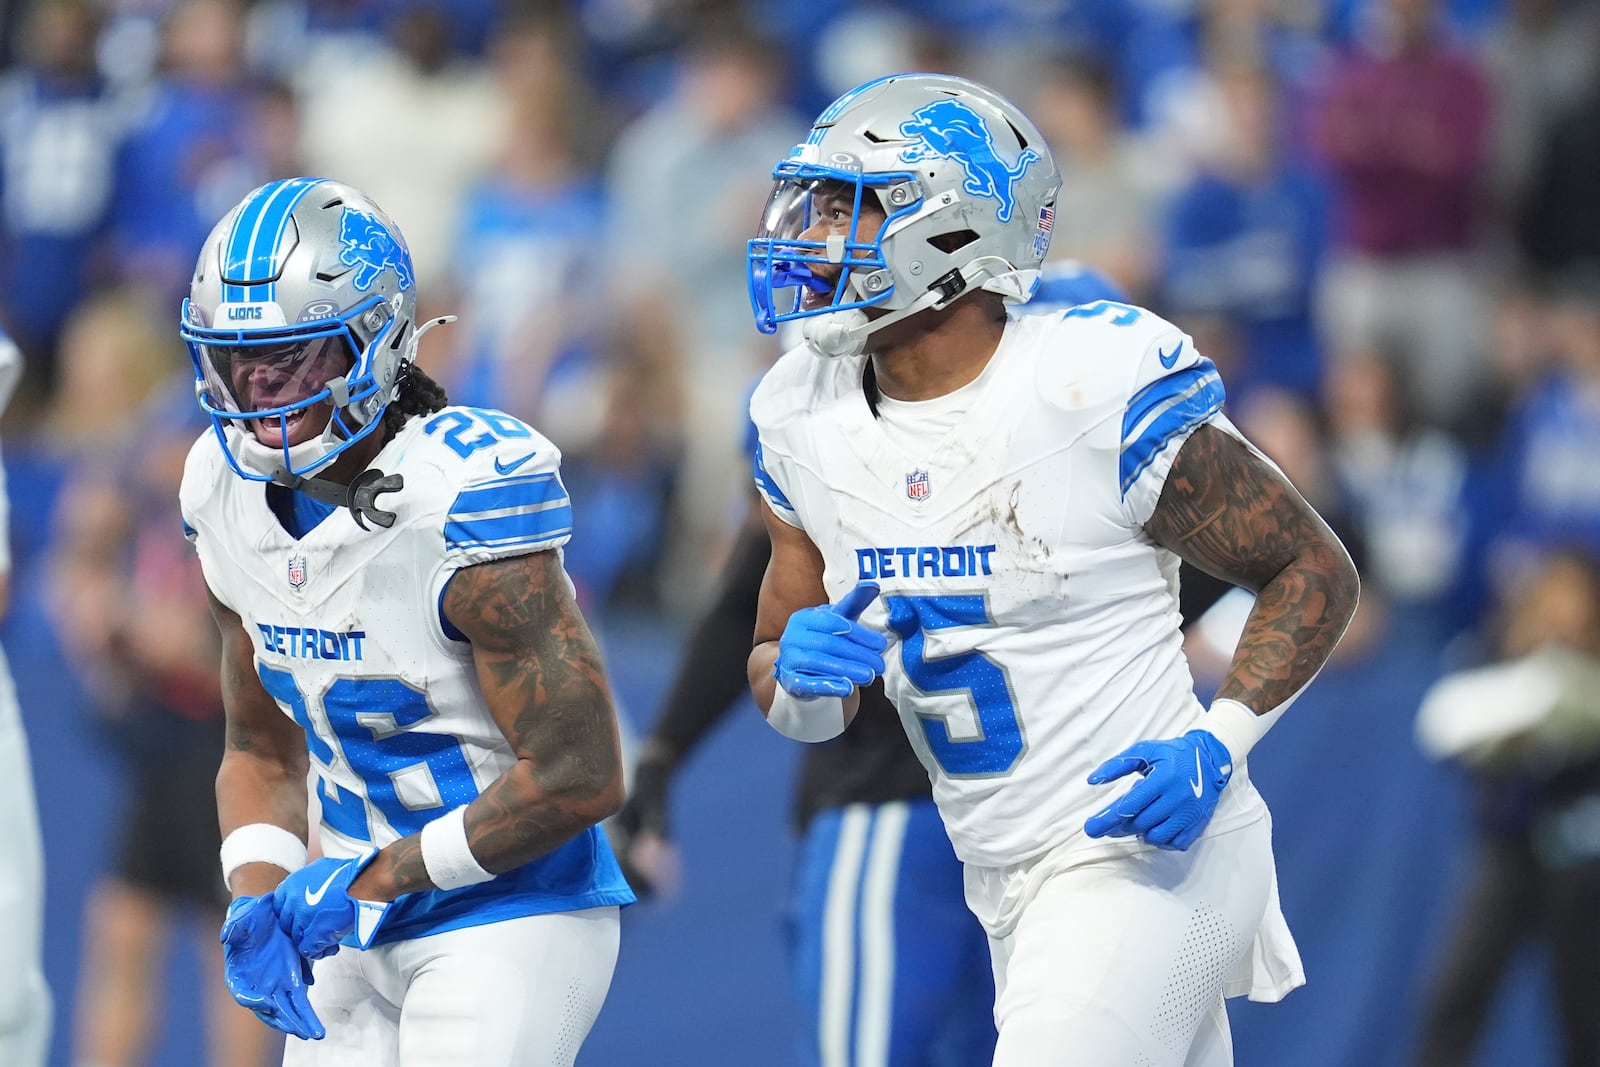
<point x="386" y="573"/>
<point x="990" y="514"/>
<point x="25" y="1006"/>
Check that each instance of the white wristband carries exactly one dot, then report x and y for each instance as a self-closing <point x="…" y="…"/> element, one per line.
<point x="261" y="842"/>
<point x="446" y="855"/>
<point x="1236" y="726"/>
<point x="817" y="719"/>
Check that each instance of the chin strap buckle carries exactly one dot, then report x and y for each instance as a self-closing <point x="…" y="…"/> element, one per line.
<point x="360" y="496"/>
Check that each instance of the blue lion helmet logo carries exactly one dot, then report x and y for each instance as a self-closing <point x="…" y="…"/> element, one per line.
<point x="950" y="129"/>
<point x="371" y="249"/>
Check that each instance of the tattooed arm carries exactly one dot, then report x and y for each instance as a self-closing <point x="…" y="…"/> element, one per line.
<point x="542" y="678"/>
<point x="264" y="762"/>
<point x="1231" y="514"/>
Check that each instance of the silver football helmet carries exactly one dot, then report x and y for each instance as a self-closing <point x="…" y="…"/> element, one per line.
<point x="966" y="183"/>
<point x="301" y="309"/>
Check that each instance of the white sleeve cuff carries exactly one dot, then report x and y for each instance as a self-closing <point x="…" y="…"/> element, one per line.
<point x="447" y="856"/>
<point x="261" y="842"/>
<point x="1235" y="725"/>
<point x="818" y="719"/>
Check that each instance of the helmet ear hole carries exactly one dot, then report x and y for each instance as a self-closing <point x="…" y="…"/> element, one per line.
<point x="953" y="241"/>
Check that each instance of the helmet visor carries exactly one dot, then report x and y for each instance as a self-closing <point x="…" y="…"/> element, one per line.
<point x="269" y="378"/>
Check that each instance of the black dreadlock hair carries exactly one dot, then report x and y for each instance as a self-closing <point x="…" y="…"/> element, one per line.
<point x="418" y="395"/>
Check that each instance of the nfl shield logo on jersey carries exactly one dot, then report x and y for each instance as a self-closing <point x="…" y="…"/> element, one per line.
<point x="917" y="485"/>
<point x="297" y="571"/>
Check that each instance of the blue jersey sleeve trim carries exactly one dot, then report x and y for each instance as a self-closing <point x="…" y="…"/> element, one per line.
<point x="508" y="494"/>
<point x="1164" y="410"/>
<point x="527" y="528"/>
<point x="1162" y="391"/>
<point x="514" y="512"/>
<point x="768" y="485"/>
<point x="445" y="624"/>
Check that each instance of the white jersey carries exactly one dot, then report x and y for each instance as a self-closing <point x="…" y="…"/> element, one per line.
<point x="1034" y="625"/>
<point x="351" y="642"/>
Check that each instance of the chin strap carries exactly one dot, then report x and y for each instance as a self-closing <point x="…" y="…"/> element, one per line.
<point x="360" y="496"/>
<point x="844" y="334"/>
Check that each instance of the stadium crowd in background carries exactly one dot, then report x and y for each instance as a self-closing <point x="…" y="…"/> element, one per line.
<point x="1377" y="217"/>
<point x="1380" y="206"/>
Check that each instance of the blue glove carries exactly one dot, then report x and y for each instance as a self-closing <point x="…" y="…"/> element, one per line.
<point x="1183" y="779"/>
<point x="825" y="652"/>
<point x="264" y="972"/>
<point x="316" y="910"/>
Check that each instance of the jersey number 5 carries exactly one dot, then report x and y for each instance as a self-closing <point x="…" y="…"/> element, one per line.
<point x="983" y="681"/>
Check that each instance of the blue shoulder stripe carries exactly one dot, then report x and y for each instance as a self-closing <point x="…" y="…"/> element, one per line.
<point x="525" y="491"/>
<point x="513" y="512"/>
<point x="1165" y="409"/>
<point x="1161" y="392"/>
<point x="767" y="484"/>
<point x="509" y="531"/>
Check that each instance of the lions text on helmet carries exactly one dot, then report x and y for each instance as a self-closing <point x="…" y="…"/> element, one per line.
<point x="299" y="323"/>
<point x="909" y="191"/>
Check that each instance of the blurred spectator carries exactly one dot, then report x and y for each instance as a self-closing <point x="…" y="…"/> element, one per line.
<point x="1107" y="210"/>
<point x="1167" y="90"/>
<point x="1527" y="733"/>
<point x="412" y="125"/>
<point x="1406" y="134"/>
<point x="529" y="265"/>
<point x="861" y="42"/>
<point x="114" y="352"/>
<point x="1559" y="224"/>
<point x="1245" y="239"/>
<point x="686" y="182"/>
<point x="1405" y="481"/>
<point x="129" y="607"/>
<point x="266" y="149"/>
<point x="25" y="1001"/>
<point x="528" y="258"/>
<point x="59" y="130"/>
<point x="190" y="125"/>
<point x="1548" y="491"/>
<point x="1542" y="60"/>
<point x="621" y="486"/>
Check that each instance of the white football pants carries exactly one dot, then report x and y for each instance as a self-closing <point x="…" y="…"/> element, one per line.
<point x="515" y="993"/>
<point x="1123" y="961"/>
<point x="24" y="998"/>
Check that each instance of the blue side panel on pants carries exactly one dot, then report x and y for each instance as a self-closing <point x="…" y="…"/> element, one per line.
<point x="890" y="966"/>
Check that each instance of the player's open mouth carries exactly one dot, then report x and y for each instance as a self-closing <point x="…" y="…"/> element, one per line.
<point x="270" y="431"/>
<point x="810" y="299"/>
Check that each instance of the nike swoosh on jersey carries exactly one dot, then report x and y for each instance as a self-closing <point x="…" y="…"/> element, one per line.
<point x="507" y="468"/>
<point x="316" y="898"/>
<point x="1170" y="361"/>
<point x="1198" y="776"/>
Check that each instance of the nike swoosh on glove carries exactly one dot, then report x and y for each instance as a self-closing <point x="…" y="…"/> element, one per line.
<point x="264" y="972"/>
<point x="825" y="652"/>
<point x="1170" y="807"/>
<point x="317" y="911"/>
